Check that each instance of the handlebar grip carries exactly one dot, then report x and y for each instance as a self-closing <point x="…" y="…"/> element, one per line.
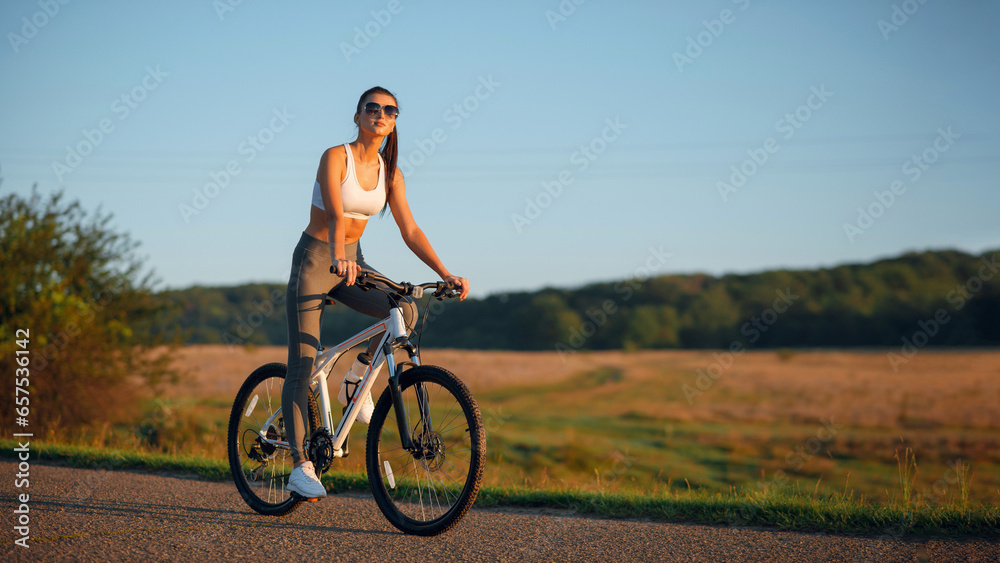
<point x="367" y="279"/>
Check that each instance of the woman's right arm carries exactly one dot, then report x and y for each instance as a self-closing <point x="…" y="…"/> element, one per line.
<point x="332" y="168"/>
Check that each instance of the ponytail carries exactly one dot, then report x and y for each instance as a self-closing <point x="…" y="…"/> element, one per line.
<point x="389" y="152"/>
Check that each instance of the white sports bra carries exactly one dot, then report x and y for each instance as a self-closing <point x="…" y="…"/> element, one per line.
<point x="359" y="203"/>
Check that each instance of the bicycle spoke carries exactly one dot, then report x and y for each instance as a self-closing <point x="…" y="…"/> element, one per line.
<point x="449" y="416"/>
<point x="259" y="466"/>
<point x="431" y="487"/>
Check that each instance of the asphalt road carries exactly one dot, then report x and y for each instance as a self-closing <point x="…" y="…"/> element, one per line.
<point x="93" y="515"/>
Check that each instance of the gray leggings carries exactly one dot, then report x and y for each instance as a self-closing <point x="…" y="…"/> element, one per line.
<point x="308" y="285"/>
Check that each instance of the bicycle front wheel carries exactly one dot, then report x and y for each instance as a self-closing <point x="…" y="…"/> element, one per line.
<point x="427" y="490"/>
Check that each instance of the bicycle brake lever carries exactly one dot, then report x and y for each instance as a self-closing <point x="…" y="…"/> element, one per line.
<point x="445" y="292"/>
<point x="440" y="292"/>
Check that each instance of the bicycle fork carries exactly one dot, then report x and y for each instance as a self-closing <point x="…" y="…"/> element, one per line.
<point x="402" y="421"/>
<point x="423" y="405"/>
<point x="402" y="416"/>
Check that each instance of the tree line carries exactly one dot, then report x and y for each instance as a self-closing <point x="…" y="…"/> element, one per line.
<point x="952" y="297"/>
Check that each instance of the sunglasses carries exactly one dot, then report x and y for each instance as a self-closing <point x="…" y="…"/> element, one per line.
<point x="371" y="108"/>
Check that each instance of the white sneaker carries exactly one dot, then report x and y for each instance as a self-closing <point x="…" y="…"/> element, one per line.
<point x="303" y="480"/>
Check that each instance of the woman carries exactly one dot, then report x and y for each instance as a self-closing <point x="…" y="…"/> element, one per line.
<point x="353" y="183"/>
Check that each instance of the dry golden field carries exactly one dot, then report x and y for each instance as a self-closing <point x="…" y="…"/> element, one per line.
<point x="645" y="419"/>
<point x="935" y="389"/>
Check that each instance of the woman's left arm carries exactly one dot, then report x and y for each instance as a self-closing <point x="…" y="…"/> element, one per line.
<point x="414" y="238"/>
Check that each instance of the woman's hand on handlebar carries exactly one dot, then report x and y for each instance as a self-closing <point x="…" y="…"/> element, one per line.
<point x="459" y="283"/>
<point x="348" y="269"/>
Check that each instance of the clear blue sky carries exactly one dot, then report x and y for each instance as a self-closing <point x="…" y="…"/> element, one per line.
<point x="536" y="87"/>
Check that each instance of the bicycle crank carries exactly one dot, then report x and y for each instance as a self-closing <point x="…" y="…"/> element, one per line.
<point x="321" y="449"/>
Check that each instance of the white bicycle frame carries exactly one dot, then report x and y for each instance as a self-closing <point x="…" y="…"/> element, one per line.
<point x="395" y="329"/>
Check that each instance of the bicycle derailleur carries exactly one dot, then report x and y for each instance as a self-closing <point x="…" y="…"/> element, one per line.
<point x="261" y="450"/>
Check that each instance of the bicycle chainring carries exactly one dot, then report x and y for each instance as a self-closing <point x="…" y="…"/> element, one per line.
<point x="321" y="449"/>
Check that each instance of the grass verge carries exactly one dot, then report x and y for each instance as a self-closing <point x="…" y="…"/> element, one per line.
<point x="786" y="509"/>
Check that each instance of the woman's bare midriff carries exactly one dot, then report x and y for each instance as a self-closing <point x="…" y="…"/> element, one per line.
<point x="353" y="228"/>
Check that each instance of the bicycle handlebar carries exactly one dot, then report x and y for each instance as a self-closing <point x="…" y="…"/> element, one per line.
<point x="368" y="280"/>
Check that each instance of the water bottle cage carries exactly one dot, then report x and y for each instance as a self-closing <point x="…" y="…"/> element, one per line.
<point x="350" y="388"/>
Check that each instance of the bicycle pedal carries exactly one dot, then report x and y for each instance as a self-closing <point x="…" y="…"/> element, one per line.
<point x="299" y="497"/>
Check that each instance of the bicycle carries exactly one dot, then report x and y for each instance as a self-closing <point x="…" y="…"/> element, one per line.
<point x="424" y="475"/>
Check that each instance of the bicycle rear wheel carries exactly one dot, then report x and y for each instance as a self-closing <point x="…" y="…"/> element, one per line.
<point x="260" y="469"/>
<point x="428" y="490"/>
